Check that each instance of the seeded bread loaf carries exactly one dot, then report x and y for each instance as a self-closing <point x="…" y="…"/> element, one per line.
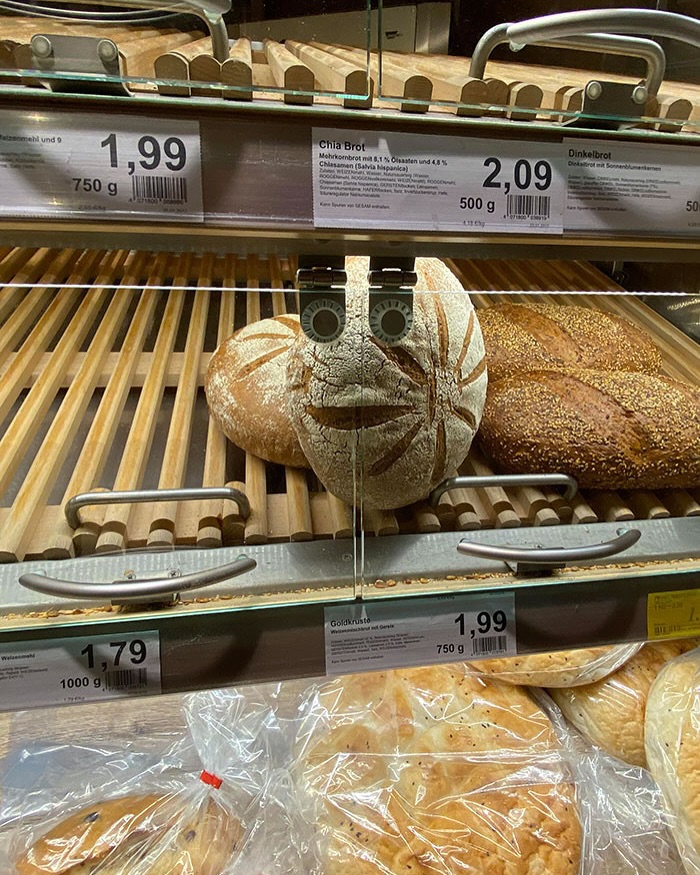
<point x="525" y="337"/>
<point x="245" y="388"/>
<point x="435" y="769"/>
<point x="610" y="712"/>
<point x="142" y="835"/>
<point x="608" y="429"/>
<point x="563" y="668"/>
<point x="401" y="417"/>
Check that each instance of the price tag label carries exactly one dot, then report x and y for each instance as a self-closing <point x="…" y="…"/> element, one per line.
<point x="115" y="166"/>
<point x="632" y="187"/>
<point x="69" y="670"/>
<point x="673" y="614"/>
<point x="380" y="635"/>
<point x="370" y="179"/>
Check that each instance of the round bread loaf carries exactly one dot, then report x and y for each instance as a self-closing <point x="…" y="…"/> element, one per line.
<point x="563" y="668"/>
<point x="672" y="742"/>
<point x="608" y="429"/>
<point x="143" y="835"/>
<point x="610" y="713"/>
<point x="245" y="388"/>
<point x="401" y="418"/>
<point x="436" y="770"/>
<point x="525" y="337"/>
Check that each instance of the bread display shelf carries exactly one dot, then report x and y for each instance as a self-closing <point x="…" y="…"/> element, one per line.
<point x="171" y="63"/>
<point x="103" y="355"/>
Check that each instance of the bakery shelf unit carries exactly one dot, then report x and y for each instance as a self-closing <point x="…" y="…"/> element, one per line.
<point x="109" y="317"/>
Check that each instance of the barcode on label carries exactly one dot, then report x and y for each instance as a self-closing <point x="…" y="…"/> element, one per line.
<point x="132" y="678"/>
<point x="490" y="644"/>
<point x="159" y="188"/>
<point x="527" y="206"/>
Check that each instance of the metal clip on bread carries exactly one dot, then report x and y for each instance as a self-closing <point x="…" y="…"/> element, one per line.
<point x="612" y="98"/>
<point x="321" y="282"/>
<point x="391" y="283"/>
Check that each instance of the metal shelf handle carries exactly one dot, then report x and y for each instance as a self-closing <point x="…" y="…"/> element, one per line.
<point x="555" y="555"/>
<point x="506" y="480"/>
<point x="646" y="49"/>
<point x="138" y="588"/>
<point x="137" y="496"/>
<point x="650" y="21"/>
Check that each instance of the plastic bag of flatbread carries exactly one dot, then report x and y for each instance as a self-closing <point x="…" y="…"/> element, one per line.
<point x="211" y="803"/>
<point x="625" y="828"/>
<point x="560" y="668"/>
<point x="610" y="712"/>
<point x="434" y="770"/>
<point x="672" y="741"/>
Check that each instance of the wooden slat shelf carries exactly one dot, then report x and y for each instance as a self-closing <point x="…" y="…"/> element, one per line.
<point x="102" y="387"/>
<point x="300" y="73"/>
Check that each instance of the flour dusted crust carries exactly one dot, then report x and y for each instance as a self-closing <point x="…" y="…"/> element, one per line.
<point x="608" y="429"/>
<point x="524" y="337"/>
<point x="402" y="416"/>
<point x="435" y="769"/>
<point x="151" y="843"/>
<point x="610" y="712"/>
<point x="562" y="668"/>
<point x="245" y="388"/>
<point x="672" y="741"/>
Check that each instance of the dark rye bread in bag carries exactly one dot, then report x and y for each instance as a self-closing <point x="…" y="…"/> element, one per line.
<point x="608" y="429"/>
<point x="526" y="337"/>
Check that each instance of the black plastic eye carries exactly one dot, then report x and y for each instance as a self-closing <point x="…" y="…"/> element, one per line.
<point x="92" y="817"/>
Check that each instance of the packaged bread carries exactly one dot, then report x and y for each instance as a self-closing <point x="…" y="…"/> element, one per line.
<point x="192" y="810"/>
<point x="607" y="429"/>
<point x="397" y="418"/>
<point x="561" y="668"/>
<point x="526" y="337"/>
<point x="610" y="712"/>
<point x="672" y="742"/>
<point x="245" y="389"/>
<point x="435" y="770"/>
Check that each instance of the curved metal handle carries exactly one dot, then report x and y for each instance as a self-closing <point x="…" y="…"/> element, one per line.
<point x="564" y="24"/>
<point x="138" y="496"/>
<point x="506" y="480"/>
<point x="210" y="11"/>
<point x="555" y="555"/>
<point x="647" y="49"/>
<point x="137" y="588"/>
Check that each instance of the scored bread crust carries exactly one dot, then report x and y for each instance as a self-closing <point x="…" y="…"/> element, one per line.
<point x="610" y="712"/>
<point x="383" y="425"/>
<point x="672" y="741"/>
<point x="246" y="394"/>
<point x="607" y="429"/>
<point x="531" y="336"/>
<point x="563" y="668"/>
<point x="202" y="844"/>
<point x="437" y="770"/>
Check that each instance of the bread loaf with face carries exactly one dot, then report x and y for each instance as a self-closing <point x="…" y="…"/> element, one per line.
<point x="400" y="417"/>
<point x="245" y="389"/>
<point x="548" y="336"/>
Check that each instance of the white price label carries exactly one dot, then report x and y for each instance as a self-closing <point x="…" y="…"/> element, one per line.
<point x="632" y="187"/>
<point x="116" y="166"/>
<point x="63" y="671"/>
<point x="380" y="635"/>
<point x="370" y="179"/>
